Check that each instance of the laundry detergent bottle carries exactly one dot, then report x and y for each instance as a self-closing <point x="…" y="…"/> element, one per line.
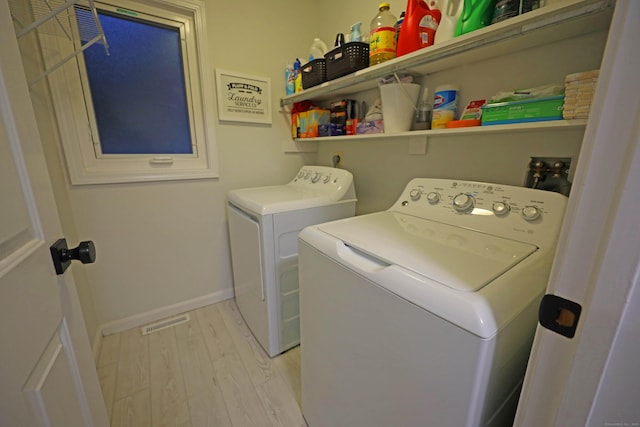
<point x="451" y="11"/>
<point x="475" y="14"/>
<point x="419" y="27"/>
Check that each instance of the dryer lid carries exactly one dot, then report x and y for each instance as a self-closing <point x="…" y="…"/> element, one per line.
<point x="277" y="199"/>
<point x="462" y="259"/>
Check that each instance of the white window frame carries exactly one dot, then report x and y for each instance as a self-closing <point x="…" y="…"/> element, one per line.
<point x="75" y="115"/>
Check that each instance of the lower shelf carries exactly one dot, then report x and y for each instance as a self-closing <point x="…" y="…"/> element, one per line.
<point x="514" y="128"/>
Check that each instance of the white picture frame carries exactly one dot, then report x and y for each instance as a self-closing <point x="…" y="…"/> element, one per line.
<point x="243" y="97"/>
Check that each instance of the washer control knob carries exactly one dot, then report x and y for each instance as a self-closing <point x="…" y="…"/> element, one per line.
<point x="531" y="213"/>
<point x="315" y="177"/>
<point x="463" y="203"/>
<point x="301" y="173"/>
<point x="501" y="208"/>
<point x="433" y="198"/>
<point x="415" y="194"/>
<point x="326" y="179"/>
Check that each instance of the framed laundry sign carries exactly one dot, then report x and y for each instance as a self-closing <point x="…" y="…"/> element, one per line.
<point x="243" y="97"/>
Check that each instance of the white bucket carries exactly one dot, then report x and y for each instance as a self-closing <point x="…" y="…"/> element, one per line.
<point x="398" y="105"/>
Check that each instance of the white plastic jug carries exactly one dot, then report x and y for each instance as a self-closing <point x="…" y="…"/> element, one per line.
<point x="317" y="50"/>
<point x="451" y="11"/>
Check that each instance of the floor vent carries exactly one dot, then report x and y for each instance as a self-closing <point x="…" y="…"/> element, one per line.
<point x="164" y="324"/>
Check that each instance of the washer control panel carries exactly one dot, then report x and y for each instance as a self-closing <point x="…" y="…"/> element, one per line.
<point x="494" y="208"/>
<point x="330" y="181"/>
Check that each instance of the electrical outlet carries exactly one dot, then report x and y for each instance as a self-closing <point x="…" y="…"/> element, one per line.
<point x="336" y="158"/>
<point x="549" y="173"/>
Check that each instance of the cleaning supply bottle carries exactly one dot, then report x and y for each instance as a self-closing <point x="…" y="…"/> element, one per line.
<point x="356" y="34"/>
<point x="419" y="27"/>
<point x="317" y="50"/>
<point x="382" y="37"/>
<point x="298" y="75"/>
<point x="506" y="9"/>
<point x="475" y="14"/>
<point x="398" y="28"/>
<point x="422" y="120"/>
<point x="445" y="102"/>
<point x="451" y="11"/>
<point x="290" y="79"/>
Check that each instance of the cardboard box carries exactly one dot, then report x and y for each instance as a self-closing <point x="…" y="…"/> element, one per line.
<point x="529" y="110"/>
<point x="309" y="122"/>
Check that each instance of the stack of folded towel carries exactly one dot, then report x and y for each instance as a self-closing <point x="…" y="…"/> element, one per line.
<point x="578" y="94"/>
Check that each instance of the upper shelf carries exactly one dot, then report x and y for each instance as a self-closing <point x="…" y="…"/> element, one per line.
<point x="563" y="20"/>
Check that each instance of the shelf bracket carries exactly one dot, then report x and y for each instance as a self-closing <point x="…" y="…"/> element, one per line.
<point x="418" y="144"/>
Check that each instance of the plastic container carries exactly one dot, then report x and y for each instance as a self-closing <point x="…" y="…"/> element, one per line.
<point x="382" y="37"/>
<point x="290" y="79"/>
<point x="422" y="118"/>
<point x="313" y="73"/>
<point x="475" y="14"/>
<point x="419" y="27"/>
<point x="356" y="33"/>
<point x="445" y="103"/>
<point x="451" y="10"/>
<point x="505" y="9"/>
<point x="298" y="76"/>
<point x="398" y="27"/>
<point x="398" y="105"/>
<point x="346" y="58"/>
<point x="317" y="50"/>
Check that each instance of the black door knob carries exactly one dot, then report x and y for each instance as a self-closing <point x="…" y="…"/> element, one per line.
<point x="62" y="255"/>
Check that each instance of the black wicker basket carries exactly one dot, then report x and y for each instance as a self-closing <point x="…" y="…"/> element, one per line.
<point x="346" y="59"/>
<point x="313" y="73"/>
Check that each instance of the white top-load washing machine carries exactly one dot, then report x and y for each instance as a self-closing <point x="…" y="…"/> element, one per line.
<point x="424" y="314"/>
<point x="263" y="228"/>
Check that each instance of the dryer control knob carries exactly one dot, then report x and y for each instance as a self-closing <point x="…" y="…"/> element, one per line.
<point x="315" y="177"/>
<point x="531" y="213"/>
<point x="433" y="198"/>
<point x="415" y="194"/>
<point x="326" y="179"/>
<point x="501" y="208"/>
<point x="463" y="203"/>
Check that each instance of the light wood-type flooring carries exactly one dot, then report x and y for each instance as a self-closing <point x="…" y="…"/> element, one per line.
<point x="209" y="371"/>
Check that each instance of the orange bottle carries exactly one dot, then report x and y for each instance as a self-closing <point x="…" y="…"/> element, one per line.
<point x="419" y="27"/>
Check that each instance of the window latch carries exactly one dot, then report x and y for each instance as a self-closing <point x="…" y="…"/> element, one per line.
<point x="165" y="160"/>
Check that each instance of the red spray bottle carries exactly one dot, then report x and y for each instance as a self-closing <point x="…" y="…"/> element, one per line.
<point x="419" y="27"/>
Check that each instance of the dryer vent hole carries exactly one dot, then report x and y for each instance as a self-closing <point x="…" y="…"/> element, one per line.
<point x="164" y="324"/>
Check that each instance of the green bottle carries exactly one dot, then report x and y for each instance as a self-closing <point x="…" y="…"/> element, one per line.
<point x="475" y="14"/>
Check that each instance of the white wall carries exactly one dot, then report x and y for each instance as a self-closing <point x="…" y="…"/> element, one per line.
<point x="165" y="244"/>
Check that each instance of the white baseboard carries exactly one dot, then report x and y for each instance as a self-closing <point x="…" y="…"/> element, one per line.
<point x="159" y="313"/>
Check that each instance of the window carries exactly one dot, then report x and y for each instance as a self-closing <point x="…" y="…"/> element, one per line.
<point x="138" y="114"/>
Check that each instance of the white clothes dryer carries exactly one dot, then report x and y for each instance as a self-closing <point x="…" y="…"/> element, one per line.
<point x="424" y="314"/>
<point x="264" y="223"/>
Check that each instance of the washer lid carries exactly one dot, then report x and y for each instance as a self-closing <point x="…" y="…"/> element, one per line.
<point x="459" y="258"/>
<point x="277" y="199"/>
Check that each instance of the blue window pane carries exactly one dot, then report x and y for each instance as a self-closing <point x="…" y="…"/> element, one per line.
<point x="138" y="90"/>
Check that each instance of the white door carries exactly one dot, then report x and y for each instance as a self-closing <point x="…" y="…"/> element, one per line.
<point x="593" y="378"/>
<point x="47" y="375"/>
